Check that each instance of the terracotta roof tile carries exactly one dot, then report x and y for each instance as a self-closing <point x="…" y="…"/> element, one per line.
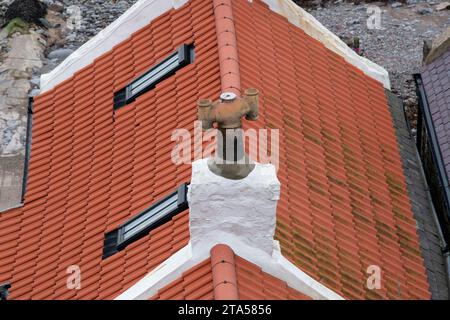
<point x="344" y="204"/>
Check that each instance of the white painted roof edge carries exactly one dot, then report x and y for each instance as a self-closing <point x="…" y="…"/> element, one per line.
<point x="168" y="271"/>
<point x="305" y="21"/>
<point x="135" y="18"/>
<point x="186" y="258"/>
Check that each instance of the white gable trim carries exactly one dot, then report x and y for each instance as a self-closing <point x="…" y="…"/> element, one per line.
<point x="168" y="271"/>
<point x="275" y="265"/>
<point x="135" y="18"/>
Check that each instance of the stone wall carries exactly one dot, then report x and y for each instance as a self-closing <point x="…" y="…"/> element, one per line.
<point x="23" y="57"/>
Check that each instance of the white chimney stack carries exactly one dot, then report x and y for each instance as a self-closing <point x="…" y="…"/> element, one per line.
<point x="225" y="211"/>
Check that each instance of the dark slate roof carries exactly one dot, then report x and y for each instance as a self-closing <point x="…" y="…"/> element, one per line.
<point x="421" y="203"/>
<point x="436" y="82"/>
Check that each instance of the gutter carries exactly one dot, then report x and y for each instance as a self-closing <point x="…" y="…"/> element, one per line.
<point x="443" y="178"/>
<point x="436" y="150"/>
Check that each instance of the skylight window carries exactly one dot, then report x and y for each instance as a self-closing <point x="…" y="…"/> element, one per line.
<point x="166" y="68"/>
<point x="4" y="293"/>
<point x="151" y="218"/>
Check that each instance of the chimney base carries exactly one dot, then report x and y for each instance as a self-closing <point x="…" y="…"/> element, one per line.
<point x="221" y="209"/>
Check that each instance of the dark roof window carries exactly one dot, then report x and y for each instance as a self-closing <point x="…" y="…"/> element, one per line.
<point x="151" y="218"/>
<point x="166" y="68"/>
<point x="4" y="293"/>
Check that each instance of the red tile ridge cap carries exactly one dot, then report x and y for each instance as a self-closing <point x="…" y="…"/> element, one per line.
<point x="224" y="273"/>
<point x="227" y="45"/>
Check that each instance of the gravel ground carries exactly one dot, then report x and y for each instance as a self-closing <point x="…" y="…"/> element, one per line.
<point x="81" y="20"/>
<point x="397" y="46"/>
<point x="95" y="16"/>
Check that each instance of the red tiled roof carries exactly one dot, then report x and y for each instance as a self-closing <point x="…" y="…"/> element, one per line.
<point x="91" y="170"/>
<point x="343" y="206"/>
<point x="194" y="284"/>
<point x="242" y="280"/>
<point x="255" y="284"/>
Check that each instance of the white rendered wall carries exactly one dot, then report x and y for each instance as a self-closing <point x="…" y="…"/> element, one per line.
<point x="221" y="208"/>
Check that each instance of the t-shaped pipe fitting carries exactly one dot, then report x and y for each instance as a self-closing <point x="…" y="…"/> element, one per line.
<point x="228" y="111"/>
<point x="227" y="114"/>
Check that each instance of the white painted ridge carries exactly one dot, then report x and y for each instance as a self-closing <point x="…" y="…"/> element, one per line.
<point x="305" y="21"/>
<point x="134" y="19"/>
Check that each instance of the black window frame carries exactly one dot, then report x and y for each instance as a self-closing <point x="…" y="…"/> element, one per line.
<point x="185" y="54"/>
<point x="4" y="290"/>
<point x="116" y="241"/>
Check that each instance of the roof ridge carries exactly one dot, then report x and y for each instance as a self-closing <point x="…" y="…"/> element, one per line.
<point x="224" y="273"/>
<point x="227" y="46"/>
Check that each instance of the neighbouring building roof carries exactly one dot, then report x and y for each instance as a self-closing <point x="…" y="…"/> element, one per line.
<point x="344" y="202"/>
<point x="225" y="271"/>
<point x="436" y="82"/>
<point x="433" y="87"/>
<point x="422" y="206"/>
